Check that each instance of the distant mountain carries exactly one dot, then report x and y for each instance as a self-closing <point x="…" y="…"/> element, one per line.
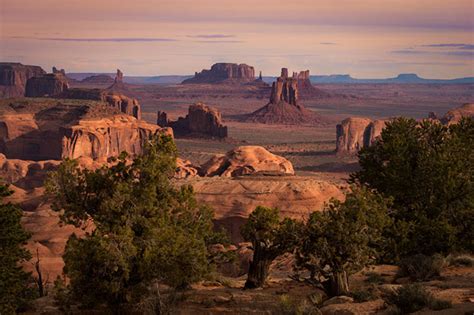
<point x="404" y="78"/>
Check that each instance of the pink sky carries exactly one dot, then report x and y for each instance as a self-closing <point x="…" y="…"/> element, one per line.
<point x="366" y="38"/>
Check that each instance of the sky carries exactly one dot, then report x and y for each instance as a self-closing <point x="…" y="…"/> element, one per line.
<point x="364" y="38"/>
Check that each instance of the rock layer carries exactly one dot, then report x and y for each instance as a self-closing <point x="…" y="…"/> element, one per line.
<point x="13" y="78"/>
<point x="222" y="73"/>
<point x="454" y="116"/>
<point x="51" y="129"/>
<point x="123" y="103"/>
<point x="201" y="121"/>
<point x="247" y="160"/>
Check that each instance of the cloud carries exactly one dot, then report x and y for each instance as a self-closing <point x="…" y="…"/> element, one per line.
<point x="210" y="36"/>
<point x="104" y="39"/>
<point x="327" y="43"/>
<point x="452" y="45"/>
<point x="410" y="52"/>
<point x="218" y="41"/>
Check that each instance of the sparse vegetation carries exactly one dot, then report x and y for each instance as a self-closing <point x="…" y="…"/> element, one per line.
<point x="374" y="278"/>
<point x="291" y="306"/>
<point x="421" y="267"/>
<point x="364" y="295"/>
<point x="16" y="285"/>
<point x="146" y="230"/>
<point x="414" y="297"/>
<point x="343" y="238"/>
<point x="460" y="260"/>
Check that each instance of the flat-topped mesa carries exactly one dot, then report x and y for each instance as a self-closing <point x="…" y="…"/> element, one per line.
<point x="41" y="129"/>
<point x="224" y="73"/>
<point x="13" y="78"/>
<point x="123" y="103"/>
<point x="50" y="84"/>
<point x="201" y="121"/>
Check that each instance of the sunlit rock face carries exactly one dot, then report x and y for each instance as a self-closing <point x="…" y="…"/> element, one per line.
<point x="49" y="129"/>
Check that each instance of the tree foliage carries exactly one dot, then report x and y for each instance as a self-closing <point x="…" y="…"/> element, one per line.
<point x="344" y="238"/>
<point x="428" y="170"/>
<point x="15" y="284"/>
<point x="270" y="238"/>
<point x="146" y="230"/>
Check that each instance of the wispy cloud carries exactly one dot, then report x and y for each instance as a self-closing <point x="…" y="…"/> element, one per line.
<point x="410" y="52"/>
<point x="219" y="41"/>
<point x="452" y="45"/>
<point x="327" y="43"/>
<point x="104" y="39"/>
<point x="210" y="36"/>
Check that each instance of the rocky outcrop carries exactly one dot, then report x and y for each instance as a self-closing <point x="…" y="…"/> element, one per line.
<point x="224" y="73"/>
<point x="116" y="100"/>
<point x="185" y="169"/>
<point x="354" y="133"/>
<point x="284" y="106"/>
<point x="201" y="121"/>
<point x="247" y="160"/>
<point x="100" y="79"/>
<point x="56" y="130"/>
<point x="233" y="199"/>
<point x="50" y="84"/>
<point x="13" y="78"/>
<point x="118" y="77"/>
<point x="454" y="116"/>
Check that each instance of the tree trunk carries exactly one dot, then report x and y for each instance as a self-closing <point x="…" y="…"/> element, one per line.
<point x="339" y="284"/>
<point x="258" y="269"/>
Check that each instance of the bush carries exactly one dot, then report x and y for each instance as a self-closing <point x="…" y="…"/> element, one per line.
<point x="414" y="297"/>
<point x="292" y="306"/>
<point x="421" y="267"/>
<point x="360" y="296"/>
<point x="461" y="260"/>
<point x="375" y="278"/>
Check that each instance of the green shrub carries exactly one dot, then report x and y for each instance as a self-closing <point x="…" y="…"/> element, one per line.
<point x="375" y="278"/>
<point x="421" y="267"/>
<point x="360" y="296"/>
<point x="414" y="297"/>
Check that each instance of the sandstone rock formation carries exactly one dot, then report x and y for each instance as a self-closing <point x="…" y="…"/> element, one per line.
<point x="117" y="100"/>
<point x="354" y="133"/>
<point x="247" y="160"/>
<point x="454" y="116"/>
<point x="100" y="79"/>
<point x="50" y="84"/>
<point x="119" y="77"/>
<point x="52" y="130"/>
<point x="233" y="199"/>
<point x="201" y="121"/>
<point x="224" y="73"/>
<point x="284" y="107"/>
<point x="13" y="78"/>
<point x="185" y="169"/>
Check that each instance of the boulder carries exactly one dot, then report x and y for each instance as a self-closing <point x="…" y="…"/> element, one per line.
<point x="201" y="121"/>
<point x="13" y="78"/>
<point x="46" y="85"/>
<point x="224" y="73"/>
<point x="247" y="160"/>
<point x="185" y="169"/>
<point x="284" y="107"/>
